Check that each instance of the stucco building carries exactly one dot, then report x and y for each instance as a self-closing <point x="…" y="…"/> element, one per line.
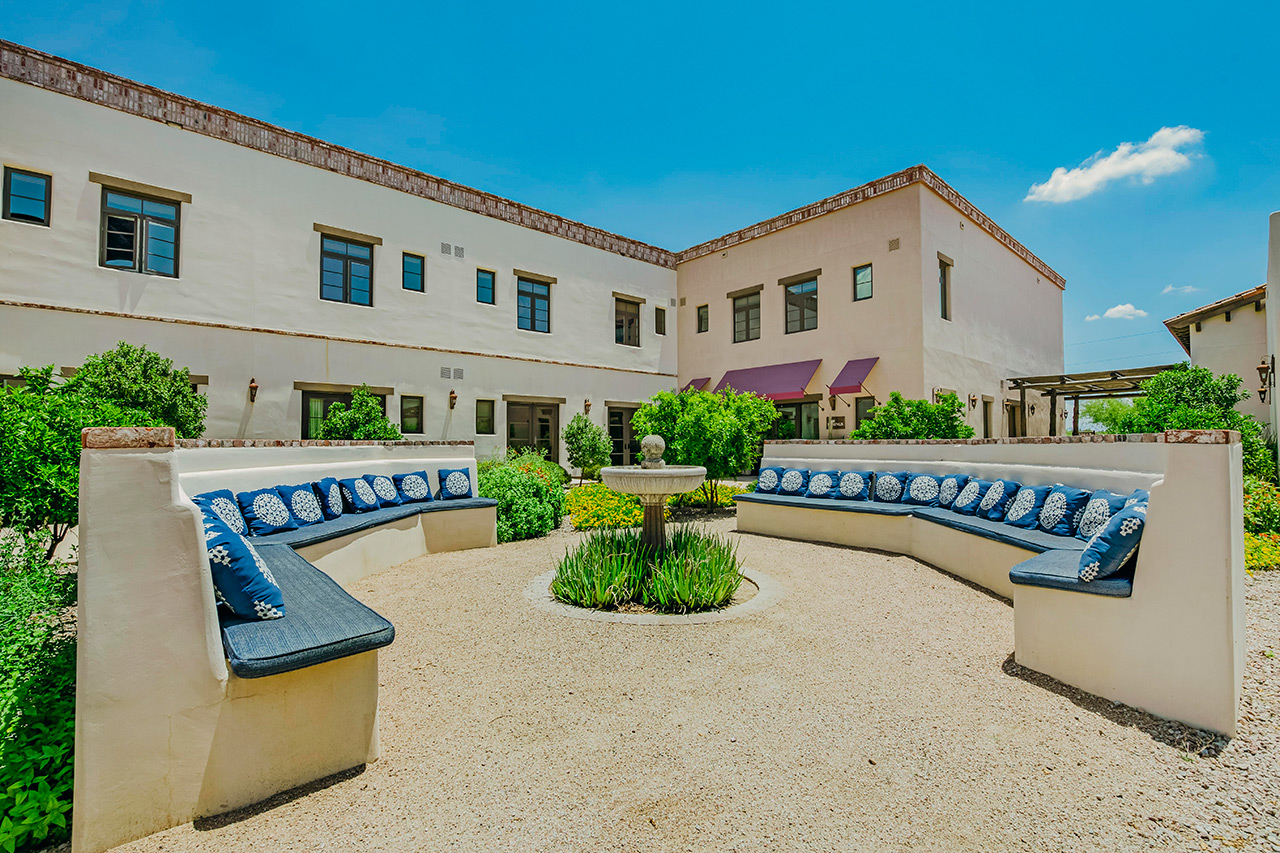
<point x="1229" y="336"/>
<point x="283" y="271"/>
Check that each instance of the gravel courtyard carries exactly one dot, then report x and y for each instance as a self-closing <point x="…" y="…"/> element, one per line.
<point x="876" y="706"/>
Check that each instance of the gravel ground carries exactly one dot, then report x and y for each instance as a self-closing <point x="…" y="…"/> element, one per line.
<point x="875" y="707"/>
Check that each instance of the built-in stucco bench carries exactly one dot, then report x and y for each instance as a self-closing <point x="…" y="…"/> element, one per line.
<point x="1060" y="569"/>
<point x="353" y="522"/>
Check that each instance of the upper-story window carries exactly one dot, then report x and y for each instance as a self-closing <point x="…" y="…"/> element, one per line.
<point x="27" y="196"/>
<point x="746" y="317"/>
<point x="802" y="306"/>
<point x="139" y="233"/>
<point x="861" y="283"/>
<point x="944" y="288"/>
<point x="484" y="286"/>
<point x="414" y="272"/>
<point x="533" y="305"/>
<point x="626" y="322"/>
<point x="346" y="271"/>
<point x="659" y="321"/>
<point x="704" y="318"/>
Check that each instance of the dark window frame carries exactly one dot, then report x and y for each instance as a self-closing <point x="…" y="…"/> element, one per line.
<point x="870" y="283"/>
<point x="7" y="212"/>
<point x="743" y="305"/>
<point x="944" y="288"/>
<point x="536" y="292"/>
<point x="660" y="320"/>
<point x="704" y="319"/>
<point x="404" y="273"/>
<point x="329" y="398"/>
<point x="798" y="296"/>
<point x="626" y="322"/>
<point x="493" y="417"/>
<point x="493" y="286"/>
<point x="142" y="223"/>
<point x="346" y="261"/>
<point x="404" y="398"/>
<point x="859" y="416"/>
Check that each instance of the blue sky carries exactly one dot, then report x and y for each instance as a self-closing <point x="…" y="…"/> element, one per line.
<point x="674" y="123"/>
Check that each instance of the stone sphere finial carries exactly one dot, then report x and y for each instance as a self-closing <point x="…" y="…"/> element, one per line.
<point x="651" y="449"/>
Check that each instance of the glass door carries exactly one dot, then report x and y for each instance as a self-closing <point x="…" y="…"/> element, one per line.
<point x="799" y="420"/>
<point x="534" y="425"/>
<point x="626" y="447"/>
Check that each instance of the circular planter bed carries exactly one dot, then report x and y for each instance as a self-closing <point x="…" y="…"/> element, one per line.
<point x="757" y="592"/>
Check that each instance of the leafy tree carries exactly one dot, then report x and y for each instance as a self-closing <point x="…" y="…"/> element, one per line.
<point x="529" y="490"/>
<point x="901" y="418"/>
<point x="135" y="377"/>
<point x="363" y="419"/>
<point x="1107" y="414"/>
<point x="721" y="431"/>
<point x="588" y="444"/>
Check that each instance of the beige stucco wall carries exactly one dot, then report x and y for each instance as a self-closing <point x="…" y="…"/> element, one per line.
<point x="1235" y="347"/>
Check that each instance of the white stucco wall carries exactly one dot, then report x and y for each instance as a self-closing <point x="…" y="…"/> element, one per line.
<point x="1235" y="347"/>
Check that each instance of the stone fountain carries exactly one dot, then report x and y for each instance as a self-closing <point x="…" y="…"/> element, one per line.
<point x="653" y="481"/>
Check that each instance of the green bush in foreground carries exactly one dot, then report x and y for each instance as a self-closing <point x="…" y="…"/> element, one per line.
<point x="529" y="491"/>
<point x="609" y="568"/>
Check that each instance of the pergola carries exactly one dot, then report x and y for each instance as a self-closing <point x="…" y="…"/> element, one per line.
<point x="1098" y="385"/>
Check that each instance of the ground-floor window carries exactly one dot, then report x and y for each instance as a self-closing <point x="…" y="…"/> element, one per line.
<point x="411" y="414"/>
<point x="986" y="419"/>
<point x="484" y="417"/>
<point x="626" y="447"/>
<point x="799" y="420"/>
<point x="316" y="404"/>
<point x="862" y="410"/>
<point x="535" y="425"/>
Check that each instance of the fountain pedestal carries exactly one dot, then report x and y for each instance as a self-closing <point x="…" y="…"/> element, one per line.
<point x="653" y="481"/>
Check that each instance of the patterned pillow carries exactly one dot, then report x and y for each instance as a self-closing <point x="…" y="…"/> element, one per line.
<point x="302" y="503"/>
<point x="385" y="488"/>
<point x="997" y="499"/>
<point x="966" y="503"/>
<point x="223" y="504"/>
<point x="769" y="480"/>
<point x="1097" y="512"/>
<point x="889" y="487"/>
<point x="950" y="488"/>
<point x="794" y="481"/>
<point x="922" y="490"/>
<point x="330" y="495"/>
<point x="358" y="495"/>
<point x="1112" y="546"/>
<point x="1139" y="496"/>
<point x="853" y="485"/>
<point x="1024" y="512"/>
<point x="414" y="488"/>
<point x="822" y="484"/>
<point x="265" y="512"/>
<point x="241" y="580"/>
<point x="454" y="483"/>
<point x="1057" y="516"/>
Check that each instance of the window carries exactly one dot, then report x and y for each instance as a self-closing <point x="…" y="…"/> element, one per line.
<point x="797" y="420"/>
<point x="484" y="417"/>
<point x="533" y="305"/>
<point x="659" y="321"/>
<point x="316" y="405"/>
<point x="861" y="283"/>
<point x="802" y="306"/>
<point x="139" y="234"/>
<point x="413" y="270"/>
<point x="746" y="317"/>
<point x="944" y="287"/>
<point x="862" y="407"/>
<point x="346" y="271"/>
<point x="534" y="425"/>
<point x="411" y="414"/>
<point x="986" y="419"/>
<point x="484" y="287"/>
<point x="626" y="322"/>
<point x="27" y="196"/>
<point x="704" y="318"/>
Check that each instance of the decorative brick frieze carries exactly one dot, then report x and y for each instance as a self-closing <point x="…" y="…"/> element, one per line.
<point x="190" y="443"/>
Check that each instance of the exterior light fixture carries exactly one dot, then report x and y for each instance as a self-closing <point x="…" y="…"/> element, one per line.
<point x="973" y="401"/>
<point x="586" y="406"/>
<point x="1032" y="408"/>
<point x="453" y="399"/>
<point x="1266" y="376"/>
<point x="253" y="390"/>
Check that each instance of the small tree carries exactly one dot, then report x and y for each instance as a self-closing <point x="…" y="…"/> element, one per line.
<point x="363" y="419"/>
<point x="1108" y="414"/>
<point x="588" y="444"/>
<point x="134" y="377"/>
<point x="722" y="431"/>
<point x="900" y="418"/>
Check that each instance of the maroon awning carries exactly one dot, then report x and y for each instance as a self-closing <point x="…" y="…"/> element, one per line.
<point x="697" y="384"/>
<point x="774" y="381"/>
<point x="852" y="375"/>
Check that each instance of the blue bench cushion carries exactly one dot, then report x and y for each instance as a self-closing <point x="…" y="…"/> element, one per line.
<point x="355" y="522"/>
<point x="323" y="623"/>
<point x="1060" y="570"/>
<point x="873" y="507"/>
<point x="1032" y="540"/>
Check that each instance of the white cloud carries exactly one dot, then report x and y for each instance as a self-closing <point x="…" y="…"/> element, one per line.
<point x="1145" y="161"/>
<point x="1169" y="288"/>
<point x="1123" y="311"/>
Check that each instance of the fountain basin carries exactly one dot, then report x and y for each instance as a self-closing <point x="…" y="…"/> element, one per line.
<point x="653" y="483"/>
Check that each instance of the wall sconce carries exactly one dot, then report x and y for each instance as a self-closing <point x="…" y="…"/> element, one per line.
<point x="831" y="402"/>
<point x="1032" y="408"/>
<point x="253" y="390"/>
<point x="1266" y="376"/>
<point x="973" y="401"/>
<point x="453" y="399"/>
<point x="586" y="406"/>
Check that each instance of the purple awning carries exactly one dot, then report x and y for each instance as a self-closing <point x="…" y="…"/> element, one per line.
<point x="852" y="375"/>
<point x="697" y="384"/>
<point x="774" y="381"/>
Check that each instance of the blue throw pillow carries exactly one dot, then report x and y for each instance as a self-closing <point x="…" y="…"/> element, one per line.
<point x="358" y="495"/>
<point x="1057" y="516"/>
<point x="223" y="504"/>
<point x="922" y="490"/>
<point x="302" y="503"/>
<point x="822" y="484"/>
<point x="265" y="512"/>
<point x="454" y="483"/>
<point x="853" y="485"/>
<point x="794" y="481"/>
<point x="1139" y="496"/>
<point x="889" y="486"/>
<point x="330" y="495"/>
<point x="1097" y="512"/>
<point x="997" y="499"/>
<point x="950" y="487"/>
<point x="241" y="580"/>
<point x="970" y="496"/>
<point x="1113" y="545"/>
<point x="414" y="487"/>
<point x="385" y="488"/>
<point x="1024" y="512"/>
<point x="769" y="479"/>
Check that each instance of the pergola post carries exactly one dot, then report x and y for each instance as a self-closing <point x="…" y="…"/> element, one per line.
<point x="1053" y="413"/>
<point x="1075" y="415"/>
<point x="1022" y="410"/>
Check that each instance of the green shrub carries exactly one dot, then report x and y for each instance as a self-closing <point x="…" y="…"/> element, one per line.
<point x="702" y="497"/>
<point x="901" y="418"/>
<point x="604" y="571"/>
<point x="137" y="378"/>
<point x="529" y="491"/>
<point x="587" y="443"/>
<point x="697" y="571"/>
<point x="1261" y="506"/>
<point x="1261" y="551"/>
<point x="37" y="693"/>
<point x="364" y="420"/>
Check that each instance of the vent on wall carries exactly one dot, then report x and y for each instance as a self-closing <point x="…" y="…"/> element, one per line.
<point x="446" y="373"/>
<point x="682" y="301"/>
<point x="895" y="244"/>
<point x="457" y="373"/>
<point x="445" y="249"/>
<point x="672" y="302"/>
<point x="457" y="251"/>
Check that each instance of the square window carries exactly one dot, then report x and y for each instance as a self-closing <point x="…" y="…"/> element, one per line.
<point x="484" y="417"/>
<point x="139" y="234"/>
<point x="484" y="287"/>
<point x="802" y="306"/>
<point x="861" y="283"/>
<point x="414" y="272"/>
<point x="626" y="322"/>
<point x="704" y="318"/>
<point x="411" y="414"/>
<point x="346" y="271"/>
<point x="27" y="196"/>
<point x="659" y="321"/>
